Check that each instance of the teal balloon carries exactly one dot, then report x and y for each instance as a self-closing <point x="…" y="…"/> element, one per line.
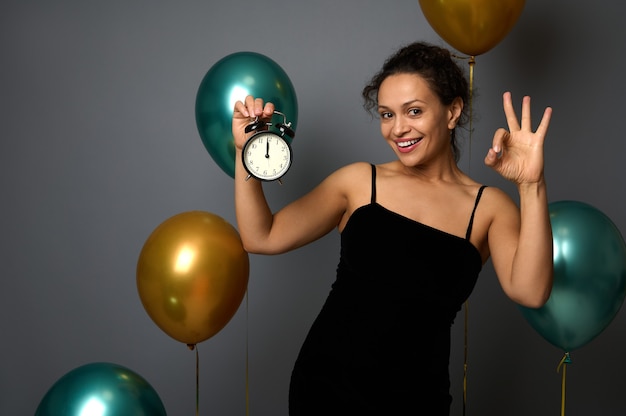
<point x="231" y="79"/>
<point x="101" y="389"/>
<point x="589" y="276"/>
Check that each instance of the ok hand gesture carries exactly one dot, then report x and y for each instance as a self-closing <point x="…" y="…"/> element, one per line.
<point x="517" y="154"/>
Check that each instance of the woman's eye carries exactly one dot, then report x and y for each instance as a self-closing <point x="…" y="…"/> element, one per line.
<point x="385" y="115"/>
<point x="415" y="111"/>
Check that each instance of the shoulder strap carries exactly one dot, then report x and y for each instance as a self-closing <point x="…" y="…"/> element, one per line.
<point x="471" y="222"/>
<point x="373" y="183"/>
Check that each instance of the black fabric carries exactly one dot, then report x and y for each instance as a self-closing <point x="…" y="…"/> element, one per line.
<point x="381" y="343"/>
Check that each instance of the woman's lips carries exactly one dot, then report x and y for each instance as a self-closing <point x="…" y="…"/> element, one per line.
<point x="407" y="145"/>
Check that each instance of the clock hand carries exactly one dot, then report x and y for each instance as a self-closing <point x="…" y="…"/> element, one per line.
<point x="267" y="148"/>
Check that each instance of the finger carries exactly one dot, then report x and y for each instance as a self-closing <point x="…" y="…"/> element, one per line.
<point x="509" y="112"/>
<point x="491" y="159"/>
<point x="250" y="103"/>
<point x="542" y="129"/>
<point x="498" y="140"/>
<point x="257" y="108"/>
<point x="268" y="110"/>
<point x="240" y="107"/>
<point x="526" y="118"/>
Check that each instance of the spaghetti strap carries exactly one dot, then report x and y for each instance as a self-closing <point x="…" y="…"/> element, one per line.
<point x="373" y="183"/>
<point x="471" y="221"/>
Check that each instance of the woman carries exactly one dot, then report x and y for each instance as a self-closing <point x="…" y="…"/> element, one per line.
<point x="415" y="233"/>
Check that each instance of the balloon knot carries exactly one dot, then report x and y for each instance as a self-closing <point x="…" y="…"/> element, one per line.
<point x="565" y="360"/>
<point x="191" y="346"/>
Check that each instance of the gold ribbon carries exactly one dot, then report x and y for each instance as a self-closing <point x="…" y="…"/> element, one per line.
<point x="563" y="364"/>
<point x="472" y="62"/>
<point x="465" y="356"/>
<point x="197" y="382"/>
<point x="247" y="361"/>
<point x="195" y="347"/>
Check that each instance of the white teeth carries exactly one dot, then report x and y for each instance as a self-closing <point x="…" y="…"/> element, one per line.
<point x="407" y="143"/>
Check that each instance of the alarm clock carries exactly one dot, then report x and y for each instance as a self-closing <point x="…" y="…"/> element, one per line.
<point x="267" y="154"/>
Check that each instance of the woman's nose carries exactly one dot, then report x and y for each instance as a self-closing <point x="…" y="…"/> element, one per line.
<point x="400" y="126"/>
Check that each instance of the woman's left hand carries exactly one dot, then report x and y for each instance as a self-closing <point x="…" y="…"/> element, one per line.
<point x="517" y="154"/>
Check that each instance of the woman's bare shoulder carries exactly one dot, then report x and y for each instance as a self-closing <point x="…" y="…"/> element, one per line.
<point x="498" y="203"/>
<point x="354" y="181"/>
<point x="345" y="182"/>
<point x="349" y="176"/>
<point x="353" y="170"/>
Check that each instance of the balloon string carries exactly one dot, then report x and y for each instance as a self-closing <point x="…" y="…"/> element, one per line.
<point x="194" y="347"/>
<point x="472" y="62"/>
<point x="247" y="360"/>
<point x="563" y="364"/>
<point x="197" y="382"/>
<point x="465" y="358"/>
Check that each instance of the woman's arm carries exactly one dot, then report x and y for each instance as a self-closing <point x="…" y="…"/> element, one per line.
<point x="300" y="222"/>
<point x="520" y="240"/>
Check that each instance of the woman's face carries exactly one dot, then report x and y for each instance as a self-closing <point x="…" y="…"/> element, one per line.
<point x="414" y="121"/>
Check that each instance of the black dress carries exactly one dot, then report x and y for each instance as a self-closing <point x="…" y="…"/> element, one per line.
<point x="381" y="343"/>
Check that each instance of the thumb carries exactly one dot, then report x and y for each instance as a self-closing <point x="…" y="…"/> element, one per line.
<point x="492" y="159"/>
<point x="493" y="154"/>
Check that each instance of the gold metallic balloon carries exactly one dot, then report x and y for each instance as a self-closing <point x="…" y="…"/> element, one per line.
<point x="192" y="275"/>
<point x="472" y="26"/>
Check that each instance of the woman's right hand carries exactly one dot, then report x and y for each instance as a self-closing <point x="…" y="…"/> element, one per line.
<point x="245" y="112"/>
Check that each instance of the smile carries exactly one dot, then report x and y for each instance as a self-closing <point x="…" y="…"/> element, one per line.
<point x="407" y="143"/>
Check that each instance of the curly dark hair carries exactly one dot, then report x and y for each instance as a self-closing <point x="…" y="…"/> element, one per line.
<point x="435" y="65"/>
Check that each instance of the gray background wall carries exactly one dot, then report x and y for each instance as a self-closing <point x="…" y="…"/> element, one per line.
<point x="98" y="145"/>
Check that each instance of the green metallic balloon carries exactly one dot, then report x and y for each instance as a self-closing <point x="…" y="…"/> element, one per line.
<point x="231" y="79"/>
<point x="589" y="276"/>
<point x="101" y="389"/>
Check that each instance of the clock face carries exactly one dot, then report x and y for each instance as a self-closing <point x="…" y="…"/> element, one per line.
<point x="267" y="156"/>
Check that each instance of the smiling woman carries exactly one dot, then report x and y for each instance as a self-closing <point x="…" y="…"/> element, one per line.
<point x="440" y="79"/>
<point x="413" y="240"/>
<point x="407" y="121"/>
